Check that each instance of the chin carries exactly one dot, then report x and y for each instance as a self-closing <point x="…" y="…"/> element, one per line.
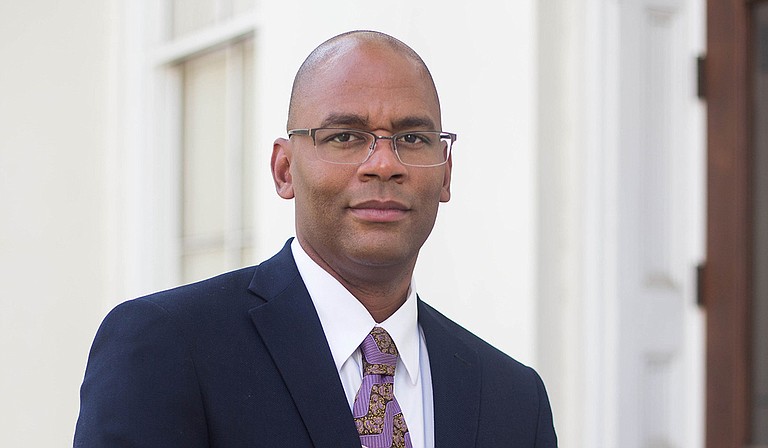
<point x="382" y="253"/>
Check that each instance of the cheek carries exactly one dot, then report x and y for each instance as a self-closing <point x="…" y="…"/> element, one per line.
<point x="432" y="191"/>
<point x="317" y="193"/>
<point x="429" y="196"/>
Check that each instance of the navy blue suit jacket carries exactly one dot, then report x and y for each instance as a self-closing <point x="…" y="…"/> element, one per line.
<point x="240" y="360"/>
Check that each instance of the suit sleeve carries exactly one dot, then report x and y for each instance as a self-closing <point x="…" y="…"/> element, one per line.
<point x="140" y="387"/>
<point x="545" y="429"/>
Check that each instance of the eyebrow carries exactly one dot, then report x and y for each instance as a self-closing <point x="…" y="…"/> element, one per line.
<point x="362" y="122"/>
<point x="414" y="122"/>
<point x="342" y="120"/>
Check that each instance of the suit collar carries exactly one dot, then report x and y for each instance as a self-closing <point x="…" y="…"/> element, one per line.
<point x="346" y="322"/>
<point x="456" y="379"/>
<point x="291" y="331"/>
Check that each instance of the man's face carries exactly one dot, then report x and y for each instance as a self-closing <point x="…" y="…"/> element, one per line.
<point x="379" y="213"/>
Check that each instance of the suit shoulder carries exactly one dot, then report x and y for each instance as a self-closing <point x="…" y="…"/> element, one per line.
<point x="204" y="293"/>
<point x="196" y="305"/>
<point x="509" y="391"/>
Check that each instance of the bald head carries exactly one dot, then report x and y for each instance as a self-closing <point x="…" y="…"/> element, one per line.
<point x="329" y="52"/>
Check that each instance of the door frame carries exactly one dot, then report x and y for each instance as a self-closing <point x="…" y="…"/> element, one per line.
<point x="727" y="275"/>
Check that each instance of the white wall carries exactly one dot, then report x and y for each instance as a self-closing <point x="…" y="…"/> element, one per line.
<point x="585" y="102"/>
<point x="514" y="255"/>
<point x="478" y="265"/>
<point x="62" y="233"/>
<point x="53" y="115"/>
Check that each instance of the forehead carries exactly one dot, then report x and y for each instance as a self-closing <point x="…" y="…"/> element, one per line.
<point x="373" y="82"/>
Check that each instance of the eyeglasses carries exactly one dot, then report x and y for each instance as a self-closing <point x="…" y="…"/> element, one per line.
<point x="354" y="147"/>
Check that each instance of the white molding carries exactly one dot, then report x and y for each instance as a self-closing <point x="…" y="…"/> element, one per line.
<point x="167" y="137"/>
<point x="210" y="37"/>
<point x="599" y="81"/>
<point x="234" y="155"/>
<point x="146" y="183"/>
<point x="134" y="84"/>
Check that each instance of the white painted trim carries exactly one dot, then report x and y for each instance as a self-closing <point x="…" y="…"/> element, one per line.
<point x="234" y="155"/>
<point x="577" y="191"/>
<point x="145" y="153"/>
<point x="600" y="354"/>
<point x="176" y="50"/>
<point x="132" y="175"/>
<point x="168" y="137"/>
<point x="599" y="80"/>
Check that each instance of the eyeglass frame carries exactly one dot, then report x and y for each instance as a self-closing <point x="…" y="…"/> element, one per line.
<point x="311" y="133"/>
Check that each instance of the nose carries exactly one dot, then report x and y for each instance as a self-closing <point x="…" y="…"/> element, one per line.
<point x="382" y="162"/>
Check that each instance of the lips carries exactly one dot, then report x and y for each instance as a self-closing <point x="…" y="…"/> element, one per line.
<point x="379" y="211"/>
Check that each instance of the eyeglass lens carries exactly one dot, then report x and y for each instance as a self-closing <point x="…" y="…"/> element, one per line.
<point x="418" y="148"/>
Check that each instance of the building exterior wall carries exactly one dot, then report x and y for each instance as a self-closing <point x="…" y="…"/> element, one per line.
<point x="477" y="265"/>
<point x="54" y="85"/>
<point x="594" y="139"/>
<point x="510" y="257"/>
<point x="63" y="258"/>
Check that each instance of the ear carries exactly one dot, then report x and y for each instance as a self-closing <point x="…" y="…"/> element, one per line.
<point x="281" y="168"/>
<point x="445" y="193"/>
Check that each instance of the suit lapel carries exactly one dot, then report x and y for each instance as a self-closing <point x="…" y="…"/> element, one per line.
<point x="291" y="331"/>
<point x="456" y="381"/>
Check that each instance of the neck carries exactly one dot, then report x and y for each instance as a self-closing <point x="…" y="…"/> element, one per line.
<point x="380" y="299"/>
<point x="381" y="289"/>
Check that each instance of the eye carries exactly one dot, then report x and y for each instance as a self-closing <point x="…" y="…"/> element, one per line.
<point x="413" y="139"/>
<point x="341" y="138"/>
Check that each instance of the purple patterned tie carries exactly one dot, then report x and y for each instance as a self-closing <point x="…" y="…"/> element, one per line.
<point x="378" y="417"/>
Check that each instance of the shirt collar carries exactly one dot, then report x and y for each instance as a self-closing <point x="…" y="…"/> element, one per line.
<point x="346" y="322"/>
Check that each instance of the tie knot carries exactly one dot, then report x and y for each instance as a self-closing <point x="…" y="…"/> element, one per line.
<point x="379" y="353"/>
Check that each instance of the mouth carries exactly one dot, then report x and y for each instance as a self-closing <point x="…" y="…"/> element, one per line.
<point x="379" y="211"/>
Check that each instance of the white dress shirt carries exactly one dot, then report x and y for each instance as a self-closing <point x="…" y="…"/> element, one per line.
<point x="346" y="323"/>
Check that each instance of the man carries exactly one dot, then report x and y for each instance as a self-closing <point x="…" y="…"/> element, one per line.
<point x="326" y="344"/>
